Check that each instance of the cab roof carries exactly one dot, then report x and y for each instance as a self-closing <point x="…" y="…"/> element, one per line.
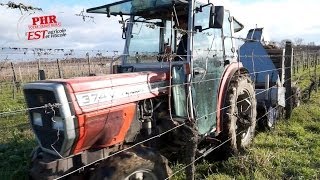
<point x="137" y="7"/>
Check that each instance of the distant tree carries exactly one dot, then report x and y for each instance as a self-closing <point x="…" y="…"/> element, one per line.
<point x="283" y="42"/>
<point x="298" y="41"/>
<point x="4" y="63"/>
<point x="311" y="44"/>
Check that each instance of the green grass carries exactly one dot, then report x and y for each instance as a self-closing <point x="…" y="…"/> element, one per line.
<point x="303" y="78"/>
<point x="290" y="151"/>
<point x="16" y="139"/>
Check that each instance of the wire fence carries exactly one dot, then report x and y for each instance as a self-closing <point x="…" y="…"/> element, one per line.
<point x="168" y="131"/>
<point x="212" y="149"/>
<point x="144" y="141"/>
<point x="304" y="62"/>
<point x="54" y="65"/>
<point x="22" y="65"/>
<point x="52" y="105"/>
<point x="14" y="73"/>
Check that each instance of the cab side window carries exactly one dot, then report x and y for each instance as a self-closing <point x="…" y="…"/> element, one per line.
<point x="228" y="43"/>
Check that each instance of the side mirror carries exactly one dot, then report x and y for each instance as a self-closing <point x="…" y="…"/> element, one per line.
<point x="204" y="17"/>
<point x="218" y="17"/>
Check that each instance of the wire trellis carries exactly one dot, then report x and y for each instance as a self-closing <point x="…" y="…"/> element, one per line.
<point x="48" y="66"/>
<point x="156" y="136"/>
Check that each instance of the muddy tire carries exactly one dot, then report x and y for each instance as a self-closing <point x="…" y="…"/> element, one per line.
<point x="136" y="164"/>
<point x="239" y="119"/>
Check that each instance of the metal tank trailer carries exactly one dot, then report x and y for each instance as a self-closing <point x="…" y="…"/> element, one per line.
<point x="266" y="65"/>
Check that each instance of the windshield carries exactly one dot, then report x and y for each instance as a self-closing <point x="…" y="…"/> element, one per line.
<point x="145" y="36"/>
<point x="151" y="40"/>
<point x="144" y="42"/>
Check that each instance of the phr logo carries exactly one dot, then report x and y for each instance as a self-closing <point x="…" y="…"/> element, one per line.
<point x="39" y="29"/>
<point x="44" y="20"/>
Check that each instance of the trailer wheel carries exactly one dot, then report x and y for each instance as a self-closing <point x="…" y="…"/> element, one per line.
<point x="239" y="120"/>
<point x="137" y="164"/>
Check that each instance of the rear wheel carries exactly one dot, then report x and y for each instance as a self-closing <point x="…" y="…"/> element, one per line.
<point x="137" y="164"/>
<point x="239" y="120"/>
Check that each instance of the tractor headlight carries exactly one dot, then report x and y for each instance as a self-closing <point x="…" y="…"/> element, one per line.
<point x="53" y="126"/>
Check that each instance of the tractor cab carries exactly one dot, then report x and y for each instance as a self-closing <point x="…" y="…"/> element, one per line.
<point x="152" y="31"/>
<point x="158" y="31"/>
<point x="189" y="40"/>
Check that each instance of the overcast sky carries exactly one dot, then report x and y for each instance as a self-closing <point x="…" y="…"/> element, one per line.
<point x="282" y="19"/>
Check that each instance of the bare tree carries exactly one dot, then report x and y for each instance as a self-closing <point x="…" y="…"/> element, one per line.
<point x="283" y="42"/>
<point x="311" y="44"/>
<point x="298" y="41"/>
<point x="4" y="63"/>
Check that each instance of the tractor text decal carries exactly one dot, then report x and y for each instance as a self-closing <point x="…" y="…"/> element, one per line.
<point x="108" y="95"/>
<point x="45" y="27"/>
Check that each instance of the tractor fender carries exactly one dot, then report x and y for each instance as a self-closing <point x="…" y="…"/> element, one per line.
<point x="228" y="73"/>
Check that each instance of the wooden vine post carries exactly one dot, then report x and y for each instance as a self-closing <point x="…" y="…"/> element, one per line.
<point x="59" y="69"/>
<point x="14" y="81"/>
<point x="89" y="63"/>
<point x="288" y="76"/>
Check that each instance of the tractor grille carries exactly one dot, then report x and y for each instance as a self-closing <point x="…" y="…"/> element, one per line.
<point x="42" y="118"/>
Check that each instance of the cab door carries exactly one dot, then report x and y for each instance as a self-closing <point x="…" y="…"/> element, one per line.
<point x="208" y="66"/>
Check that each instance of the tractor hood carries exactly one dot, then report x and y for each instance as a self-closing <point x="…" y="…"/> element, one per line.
<point x="135" y="7"/>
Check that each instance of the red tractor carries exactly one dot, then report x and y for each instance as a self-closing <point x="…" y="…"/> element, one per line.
<point x="179" y="81"/>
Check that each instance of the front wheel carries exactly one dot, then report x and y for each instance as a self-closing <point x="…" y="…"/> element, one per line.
<point x="136" y="164"/>
<point x="239" y="119"/>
